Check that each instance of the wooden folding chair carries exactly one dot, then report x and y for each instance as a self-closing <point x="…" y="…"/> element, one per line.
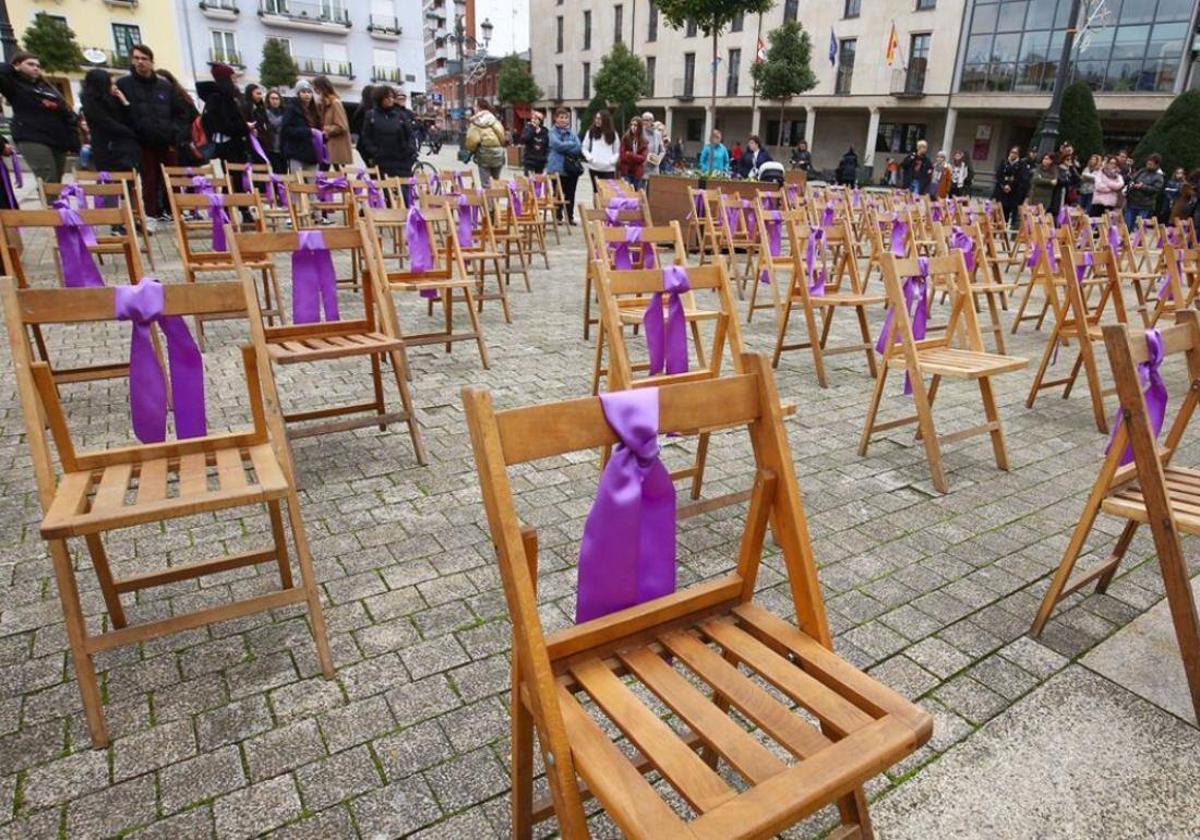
<point x="204" y="260"/>
<point x="699" y="652"/>
<point x="842" y="289"/>
<point x="375" y="335"/>
<point x="508" y="234"/>
<point x="133" y="185"/>
<point x="705" y="223"/>
<point x="525" y="217"/>
<point x="1074" y="320"/>
<point x="118" y="240"/>
<point x="1149" y="490"/>
<point x="482" y="256"/>
<point x="114" y="192"/>
<point x="109" y="489"/>
<point x="1181" y="279"/>
<point x="448" y="276"/>
<point x="588" y="217"/>
<point x="938" y="358"/>
<point x="542" y="187"/>
<point x="984" y="274"/>
<point x="739" y="236"/>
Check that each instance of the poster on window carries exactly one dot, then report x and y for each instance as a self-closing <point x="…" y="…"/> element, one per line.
<point x="982" y="149"/>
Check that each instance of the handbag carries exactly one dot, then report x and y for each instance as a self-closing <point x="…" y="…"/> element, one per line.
<point x="465" y="155"/>
<point x="572" y="165"/>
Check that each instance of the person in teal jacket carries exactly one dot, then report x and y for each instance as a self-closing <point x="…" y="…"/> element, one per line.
<point x="714" y="157"/>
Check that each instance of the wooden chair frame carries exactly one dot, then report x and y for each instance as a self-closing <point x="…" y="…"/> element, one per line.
<point x="589" y="216"/>
<point x="484" y="255"/>
<point x="872" y="728"/>
<point x="120" y="189"/>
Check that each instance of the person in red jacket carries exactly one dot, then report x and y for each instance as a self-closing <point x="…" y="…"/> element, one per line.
<point x="633" y="154"/>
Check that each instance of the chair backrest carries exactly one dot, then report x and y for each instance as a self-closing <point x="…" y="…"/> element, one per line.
<point x="663" y="237"/>
<point x="41" y="308"/>
<point x="101" y="195"/>
<point x="233" y="203"/>
<point x="447" y="254"/>
<point x="306" y="198"/>
<point x="963" y="321"/>
<point x="12" y="222"/>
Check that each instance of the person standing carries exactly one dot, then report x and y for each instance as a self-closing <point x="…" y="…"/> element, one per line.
<point x="1108" y="186"/>
<point x="386" y="138"/>
<point x="1044" y="182"/>
<point x="299" y="119"/>
<point x="1008" y="184"/>
<point x="601" y="148"/>
<point x="633" y="154"/>
<point x="114" y="140"/>
<point x="846" y="173"/>
<point x="44" y="127"/>
<point x="486" y="138"/>
<point x="1087" y="182"/>
<point x="565" y="159"/>
<point x="224" y="117"/>
<point x="160" y="120"/>
<point x="335" y="125"/>
<point x="714" y="157"/>
<point x="917" y="167"/>
<point x="535" y="139"/>
<point x="961" y="174"/>
<point x="655" y="145"/>
<point x="755" y="156"/>
<point x="802" y="157"/>
<point x="1144" y="190"/>
<point x="255" y="101"/>
<point x="275" y="121"/>
<point x="939" y="176"/>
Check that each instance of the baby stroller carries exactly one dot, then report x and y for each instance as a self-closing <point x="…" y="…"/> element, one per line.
<point x="772" y="172"/>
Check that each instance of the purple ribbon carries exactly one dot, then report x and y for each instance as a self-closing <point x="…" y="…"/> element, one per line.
<point x="326" y="187"/>
<point x="313" y="280"/>
<point x="697" y="205"/>
<point x="514" y="198"/>
<point x="899" y="238"/>
<point x="318" y="144"/>
<point x="1064" y="218"/>
<point x="816" y="279"/>
<point x="74" y="238"/>
<point x="960" y="240"/>
<point x="420" y="248"/>
<point x="539" y="189"/>
<point x="247" y="181"/>
<point x="668" y="345"/>
<point x="99" y="201"/>
<point x="916" y="290"/>
<point x="793" y="194"/>
<point x="621" y="251"/>
<point x="616" y="206"/>
<point x="467" y="218"/>
<point x="1150" y="374"/>
<point x="935" y="212"/>
<point x="987" y="206"/>
<point x="202" y="184"/>
<point x="71" y="192"/>
<point x="143" y="306"/>
<point x="256" y="146"/>
<point x="6" y="181"/>
<point x="773" y="221"/>
<point x="216" y="212"/>
<point x="374" y="194"/>
<point x="1087" y="260"/>
<point x="855" y="198"/>
<point x="276" y="191"/>
<point x="1037" y="250"/>
<point x="627" y="555"/>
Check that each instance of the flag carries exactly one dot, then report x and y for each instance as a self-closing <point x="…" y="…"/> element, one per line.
<point x="893" y="44"/>
<point x="761" y="55"/>
<point x="833" y="47"/>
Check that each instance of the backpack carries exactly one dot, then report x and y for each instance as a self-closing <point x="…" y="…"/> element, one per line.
<point x="202" y="147"/>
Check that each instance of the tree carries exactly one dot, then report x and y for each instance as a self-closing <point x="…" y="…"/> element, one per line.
<point x="1079" y="124"/>
<point x="711" y="17"/>
<point x="618" y="84"/>
<point x="514" y="84"/>
<point x="1174" y="135"/>
<point x="278" y="68"/>
<point x="786" y="72"/>
<point x="53" y="42"/>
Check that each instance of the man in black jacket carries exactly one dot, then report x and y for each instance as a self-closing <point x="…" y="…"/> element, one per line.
<point x="387" y="138"/>
<point x="44" y="126"/>
<point x="159" y="119"/>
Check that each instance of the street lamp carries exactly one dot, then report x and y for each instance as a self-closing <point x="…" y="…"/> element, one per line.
<point x="1049" y="138"/>
<point x="462" y="39"/>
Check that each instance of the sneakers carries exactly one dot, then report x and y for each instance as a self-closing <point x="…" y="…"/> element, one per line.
<point x="151" y="225"/>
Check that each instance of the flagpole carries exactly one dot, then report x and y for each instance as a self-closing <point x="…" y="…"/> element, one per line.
<point x="754" y="81"/>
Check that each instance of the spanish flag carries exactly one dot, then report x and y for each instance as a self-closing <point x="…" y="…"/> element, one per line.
<point x="893" y="44"/>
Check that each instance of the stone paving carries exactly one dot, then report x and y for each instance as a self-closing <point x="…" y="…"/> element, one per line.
<point x="231" y="732"/>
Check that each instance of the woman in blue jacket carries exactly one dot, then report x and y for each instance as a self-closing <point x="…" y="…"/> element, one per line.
<point x="714" y="158"/>
<point x="565" y="159"/>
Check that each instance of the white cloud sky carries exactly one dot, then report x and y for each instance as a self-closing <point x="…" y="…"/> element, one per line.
<point x="511" y="18"/>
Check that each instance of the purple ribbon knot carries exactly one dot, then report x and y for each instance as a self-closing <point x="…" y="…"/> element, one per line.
<point x="899" y="238"/>
<point x="74" y="238"/>
<point x="314" y="282"/>
<point x="318" y="144"/>
<point x="277" y="192"/>
<point x="667" y="345"/>
<point x="773" y="221"/>
<point x="247" y="180"/>
<point x="627" y="554"/>
<point x="514" y="199"/>
<point x="326" y="187"/>
<point x="960" y="240"/>
<point x="916" y="303"/>
<point x="468" y="217"/>
<point x="143" y="306"/>
<point x="420" y="248"/>
<point x="622" y="251"/>
<point x="616" y="206"/>
<point x="1155" y="393"/>
<point x="816" y="279"/>
<point x="216" y="212"/>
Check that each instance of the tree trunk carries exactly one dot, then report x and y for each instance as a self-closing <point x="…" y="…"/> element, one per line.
<point x="782" y="105"/>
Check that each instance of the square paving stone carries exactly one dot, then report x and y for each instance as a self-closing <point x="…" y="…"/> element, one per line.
<point x="207" y="775"/>
<point x="252" y="810"/>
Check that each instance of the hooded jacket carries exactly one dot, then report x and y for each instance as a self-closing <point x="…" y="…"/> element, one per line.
<point x="387" y="141"/>
<point x="158" y="114"/>
<point x="485" y="138"/>
<point x="296" y="135"/>
<point x="40" y="114"/>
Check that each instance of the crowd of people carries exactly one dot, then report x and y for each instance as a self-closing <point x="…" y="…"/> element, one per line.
<point x="146" y="118"/>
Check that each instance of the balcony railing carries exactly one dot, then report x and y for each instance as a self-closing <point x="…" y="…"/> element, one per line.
<point x="230" y="57"/>
<point x="220" y="9"/>
<point x="324" y="67"/>
<point x="304" y="14"/>
<point x="910" y="82"/>
<point x="384" y="26"/>
<point x="684" y="88"/>
<point x="387" y="74"/>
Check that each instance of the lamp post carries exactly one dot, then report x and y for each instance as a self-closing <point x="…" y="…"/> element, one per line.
<point x="1049" y="139"/>
<point x="462" y="39"/>
<point x="8" y="39"/>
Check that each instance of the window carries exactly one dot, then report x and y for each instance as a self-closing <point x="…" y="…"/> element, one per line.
<point x="652" y="26"/>
<point x="690" y="30"/>
<point x="125" y="38"/>
<point x="618" y="22"/>
<point x="224" y="47"/>
<point x="558" y="76"/>
<point x="695" y="129"/>
<point x="558" y="34"/>
<point x="918" y="60"/>
<point x="791" y="10"/>
<point x="335" y="59"/>
<point x="854" y="8"/>
<point x="739" y="20"/>
<point x="847" y="47"/>
<point x="383" y="65"/>
<point x="651" y="66"/>
<point x="689" y="73"/>
<point x="926" y="5"/>
<point x="587" y="30"/>
<point x="587" y="80"/>
<point x="731" y="79"/>
<point x="793" y="131"/>
<point x="898" y="137"/>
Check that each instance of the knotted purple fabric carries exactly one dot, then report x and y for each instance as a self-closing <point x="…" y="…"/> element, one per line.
<point x="468" y="215"/>
<point x="916" y="291"/>
<point x="277" y="192"/>
<point x="1150" y="375"/>
<point x="899" y="238"/>
<point x="793" y="194"/>
<point x="258" y="149"/>
<point x="201" y="184"/>
<point x="622" y="252"/>
<point x="616" y="206"/>
<point x="318" y="144"/>
<point x="627" y="555"/>
<point x="6" y="179"/>
<point x="1114" y="240"/>
<point x="816" y="279"/>
<point x="247" y="181"/>
<point x="855" y="197"/>
<point x="216" y="212"/>
<point x="514" y="198"/>
<point x="1086" y="261"/>
<point x="374" y="194"/>
<point x="1051" y="258"/>
<point x="698" y="205"/>
<point x="539" y="189"/>
<point x="72" y="192"/>
<point x="327" y="187"/>
<point x="935" y="212"/>
<point x="1063" y="218"/>
<point x="143" y="306"/>
<point x="314" y="282"/>
<point x="100" y="201"/>
<point x="667" y="345"/>
<point x="74" y="237"/>
<point x="827" y="217"/>
<point x="773" y="222"/>
<point x="987" y="206"/>
<point x="420" y="248"/>
<point x="960" y="240"/>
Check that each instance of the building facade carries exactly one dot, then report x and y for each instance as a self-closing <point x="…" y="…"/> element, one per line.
<point x="964" y="74"/>
<point x="106" y="31"/>
<point x="353" y="42"/>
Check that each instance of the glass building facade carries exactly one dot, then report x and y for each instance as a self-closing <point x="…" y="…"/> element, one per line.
<point x="1134" y="45"/>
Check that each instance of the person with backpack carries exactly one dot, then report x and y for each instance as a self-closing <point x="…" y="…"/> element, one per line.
<point x="535" y="140"/>
<point x="565" y="159"/>
<point x="224" y="118"/>
<point x="486" y="139"/>
<point x="160" y="118"/>
<point x="386" y="138"/>
<point x="44" y="127"/>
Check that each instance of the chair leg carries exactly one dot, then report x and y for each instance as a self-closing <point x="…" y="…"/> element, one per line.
<point x="448" y="315"/>
<point x="280" y="537"/>
<point x="999" y="448"/>
<point x="522" y="762"/>
<point x="865" y="331"/>
<point x="781" y="332"/>
<point x="503" y="291"/>
<point x="928" y="434"/>
<point x="587" y="303"/>
<point x="112" y="599"/>
<point x="309" y="582"/>
<point x="1047" y="355"/>
<point x="815" y="345"/>
<point x="698" y="344"/>
<point x="399" y="362"/>
<point x="701" y="460"/>
<point x="598" y="362"/>
<point x="85" y="668"/>
<point x="873" y="409"/>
